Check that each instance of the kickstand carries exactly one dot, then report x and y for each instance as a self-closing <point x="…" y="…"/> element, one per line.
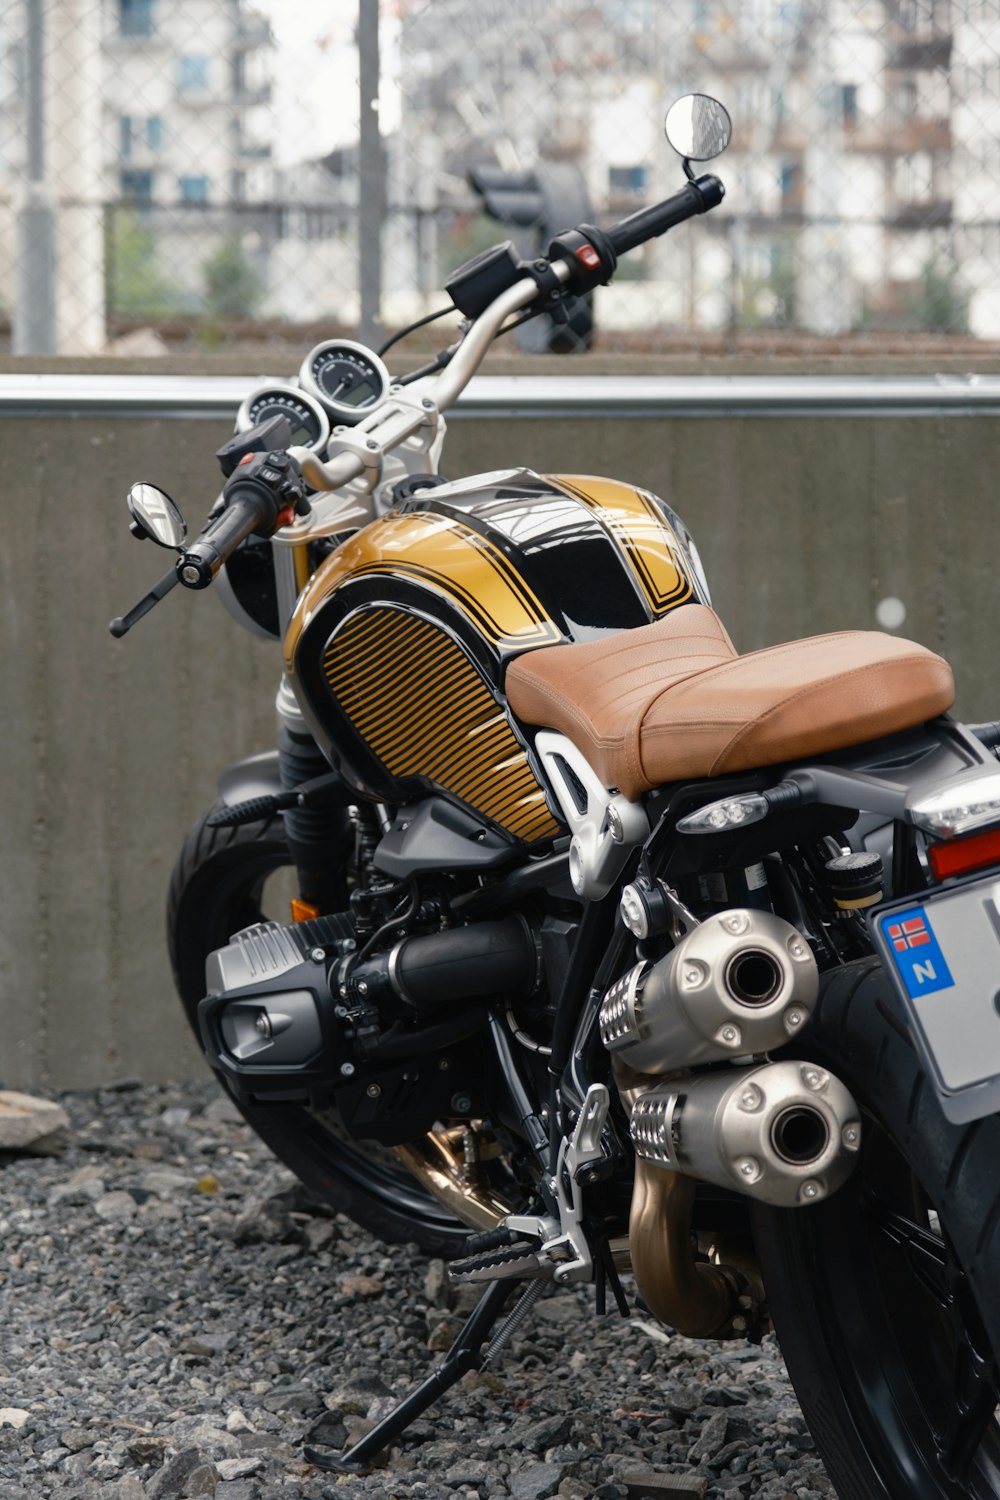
<point x="463" y="1356"/>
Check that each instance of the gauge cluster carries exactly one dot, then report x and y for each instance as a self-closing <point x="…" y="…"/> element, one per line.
<point x="348" y="378"/>
<point x="310" y="423"/>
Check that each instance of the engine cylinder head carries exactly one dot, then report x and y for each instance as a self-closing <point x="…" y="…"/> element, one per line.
<point x="786" y="1133"/>
<point x="743" y="981"/>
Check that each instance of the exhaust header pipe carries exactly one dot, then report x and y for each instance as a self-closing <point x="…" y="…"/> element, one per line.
<point x="785" y="1133"/>
<point x="741" y="982"/>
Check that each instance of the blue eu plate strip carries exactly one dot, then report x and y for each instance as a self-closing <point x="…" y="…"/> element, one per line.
<point x="910" y="941"/>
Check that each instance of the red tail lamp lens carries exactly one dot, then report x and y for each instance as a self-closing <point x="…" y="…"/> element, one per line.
<point x="958" y="856"/>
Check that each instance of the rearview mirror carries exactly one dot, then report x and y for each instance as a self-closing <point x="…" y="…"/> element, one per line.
<point x="155" y="517"/>
<point x="698" y="127"/>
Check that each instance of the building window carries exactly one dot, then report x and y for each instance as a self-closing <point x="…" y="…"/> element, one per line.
<point x="135" y="17"/>
<point x="192" y="73"/>
<point x="849" y="103"/>
<point x="135" y="133"/>
<point x="137" y="187"/>
<point x="629" y="181"/>
<point x="194" y="189"/>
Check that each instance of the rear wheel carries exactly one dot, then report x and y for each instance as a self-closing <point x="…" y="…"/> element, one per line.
<point x="886" y="1298"/>
<point x="226" y="879"/>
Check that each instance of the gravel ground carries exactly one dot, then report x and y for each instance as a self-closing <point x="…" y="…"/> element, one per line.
<point x="176" y="1318"/>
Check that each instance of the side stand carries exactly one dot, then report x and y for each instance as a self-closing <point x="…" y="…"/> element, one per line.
<point x="465" y="1354"/>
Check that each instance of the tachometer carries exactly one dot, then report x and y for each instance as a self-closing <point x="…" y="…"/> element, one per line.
<point x="348" y="378"/>
<point x="310" y="423"/>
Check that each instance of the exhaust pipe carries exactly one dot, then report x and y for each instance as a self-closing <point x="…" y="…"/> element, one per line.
<point x="785" y="1133"/>
<point x="741" y="982"/>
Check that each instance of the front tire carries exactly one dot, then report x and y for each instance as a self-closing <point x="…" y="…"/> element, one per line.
<point x="218" y="886"/>
<point x="886" y="1298"/>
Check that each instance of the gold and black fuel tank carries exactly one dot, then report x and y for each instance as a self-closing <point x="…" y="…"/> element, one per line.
<point x="398" y="645"/>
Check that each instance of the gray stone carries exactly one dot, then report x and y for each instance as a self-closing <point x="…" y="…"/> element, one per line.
<point x="647" y="1484"/>
<point x="164" y="1182"/>
<point x="82" y="1186"/>
<point x="203" y="1480"/>
<point x="711" y="1439"/>
<point x="146" y="1449"/>
<point x="548" y="1432"/>
<point x="320" y="1233"/>
<point x="35" y="1126"/>
<point x="222" y="1111"/>
<point x="536" y="1482"/>
<point x="177" y="1477"/>
<point x="126" y="1488"/>
<point x="437" y="1288"/>
<point x="265" y="1221"/>
<point x="472" y="1471"/>
<point x="198" y="1432"/>
<point x="353" y="1396"/>
<point x="239" y="1468"/>
<point x="116" y="1207"/>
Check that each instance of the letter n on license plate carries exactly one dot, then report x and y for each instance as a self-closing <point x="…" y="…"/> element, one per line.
<point x="943" y="954"/>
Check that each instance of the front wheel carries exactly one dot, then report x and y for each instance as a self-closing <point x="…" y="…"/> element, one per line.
<point x="220" y="884"/>
<point x="886" y="1298"/>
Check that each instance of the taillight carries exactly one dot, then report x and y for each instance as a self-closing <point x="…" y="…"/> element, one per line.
<point x="959" y="856"/>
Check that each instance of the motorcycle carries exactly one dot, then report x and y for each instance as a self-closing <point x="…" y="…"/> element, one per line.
<point x="612" y="950"/>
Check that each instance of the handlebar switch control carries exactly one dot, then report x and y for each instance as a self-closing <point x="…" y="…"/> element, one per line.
<point x="589" y="254"/>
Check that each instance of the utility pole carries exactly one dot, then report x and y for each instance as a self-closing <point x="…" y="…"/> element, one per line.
<point x="371" y="167"/>
<point x="34" y="316"/>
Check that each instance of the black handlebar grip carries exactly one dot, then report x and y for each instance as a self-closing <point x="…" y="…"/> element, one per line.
<point x="247" y="507"/>
<point x="697" y="198"/>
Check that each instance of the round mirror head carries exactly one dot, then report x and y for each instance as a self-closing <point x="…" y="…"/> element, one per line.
<point x="698" y="127"/>
<point x="154" y="515"/>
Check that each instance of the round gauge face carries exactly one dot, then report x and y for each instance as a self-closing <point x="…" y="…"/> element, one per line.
<point x="347" y="377"/>
<point x="310" y="425"/>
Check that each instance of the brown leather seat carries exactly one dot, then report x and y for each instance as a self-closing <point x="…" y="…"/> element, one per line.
<point x="673" y="699"/>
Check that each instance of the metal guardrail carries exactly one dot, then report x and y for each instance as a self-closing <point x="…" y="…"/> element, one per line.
<point x="521" y="397"/>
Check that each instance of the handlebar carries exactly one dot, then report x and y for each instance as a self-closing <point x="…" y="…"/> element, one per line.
<point x="247" y="509"/>
<point x="696" y="198"/>
<point x="259" y="489"/>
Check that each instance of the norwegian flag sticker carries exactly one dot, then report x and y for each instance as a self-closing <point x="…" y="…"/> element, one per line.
<point x="910" y="941"/>
<point x="911" y="934"/>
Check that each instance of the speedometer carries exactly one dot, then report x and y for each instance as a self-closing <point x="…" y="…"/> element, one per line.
<point x="310" y="423"/>
<point x="348" y="378"/>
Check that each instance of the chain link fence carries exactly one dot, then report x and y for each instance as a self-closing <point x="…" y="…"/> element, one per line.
<point x="191" y="173"/>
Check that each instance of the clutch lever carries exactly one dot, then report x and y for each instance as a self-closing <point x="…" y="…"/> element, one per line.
<point x="122" y="624"/>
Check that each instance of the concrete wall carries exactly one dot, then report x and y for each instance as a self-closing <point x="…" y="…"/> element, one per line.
<point x="112" y="748"/>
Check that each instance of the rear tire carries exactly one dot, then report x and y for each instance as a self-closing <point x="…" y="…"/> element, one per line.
<point x="217" y="888"/>
<point x="886" y="1298"/>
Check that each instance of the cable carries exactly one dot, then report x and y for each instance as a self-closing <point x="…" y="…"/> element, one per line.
<point x="412" y="327"/>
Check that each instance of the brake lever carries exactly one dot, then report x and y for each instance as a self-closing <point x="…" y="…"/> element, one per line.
<point x="123" y="623"/>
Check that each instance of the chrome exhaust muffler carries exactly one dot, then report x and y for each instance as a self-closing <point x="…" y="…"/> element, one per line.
<point x="741" y="982"/>
<point x="785" y="1133"/>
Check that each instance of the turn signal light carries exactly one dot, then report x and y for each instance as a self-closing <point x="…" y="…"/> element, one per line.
<point x="303" y="911"/>
<point x="958" y="856"/>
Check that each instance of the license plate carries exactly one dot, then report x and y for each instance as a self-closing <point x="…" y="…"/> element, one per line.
<point x="943" y="953"/>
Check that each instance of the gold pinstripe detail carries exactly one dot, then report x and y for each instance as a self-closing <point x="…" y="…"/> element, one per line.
<point x="642" y="533"/>
<point x="423" y="709"/>
<point x="444" y="555"/>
